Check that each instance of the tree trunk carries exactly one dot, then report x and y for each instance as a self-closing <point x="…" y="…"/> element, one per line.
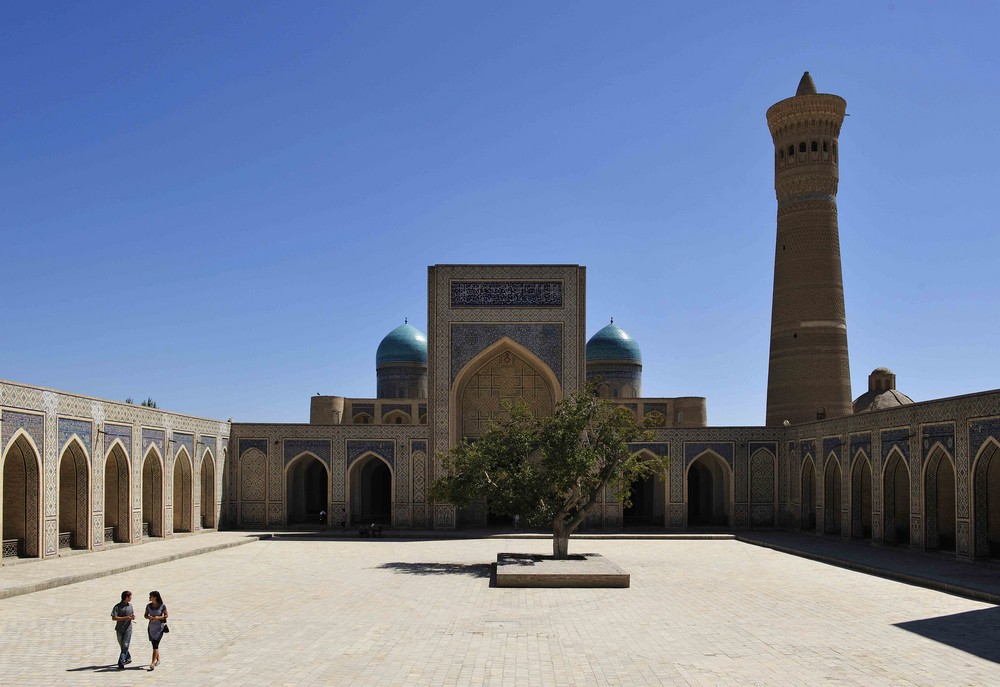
<point x="560" y="544"/>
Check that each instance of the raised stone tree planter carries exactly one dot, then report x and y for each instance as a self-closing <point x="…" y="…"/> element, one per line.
<point x="587" y="570"/>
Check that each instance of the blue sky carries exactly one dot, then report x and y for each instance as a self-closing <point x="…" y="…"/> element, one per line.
<point x="225" y="206"/>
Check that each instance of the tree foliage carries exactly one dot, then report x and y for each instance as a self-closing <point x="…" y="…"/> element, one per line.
<point x="550" y="470"/>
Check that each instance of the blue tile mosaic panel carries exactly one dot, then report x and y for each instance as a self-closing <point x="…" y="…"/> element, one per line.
<point x="544" y="340"/>
<point x="318" y="447"/>
<point x="247" y="444"/>
<point x="807" y="446"/>
<point x="693" y="449"/>
<point x="120" y="432"/>
<point x="979" y="431"/>
<point x="384" y="448"/>
<point x="900" y="438"/>
<point x="658" y="448"/>
<point x="506" y="294"/>
<point x="367" y="408"/>
<point x="861" y="442"/>
<point x="81" y="428"/>
<point x="930" y="435"/>
<point x="418" y="445"/>
<point x="185" y="440"/>
<point x="206" y="442"/>
<point x="153" y="437"/>
<point x="832" y="445"/>
<point x="32" y="424"/>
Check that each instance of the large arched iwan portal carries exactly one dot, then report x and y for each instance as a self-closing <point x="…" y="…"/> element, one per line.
<point x="986" y="501"/>
<point x="708" y="493"/>
<point x="370" y="480"/>
<point x="504" y="371"/>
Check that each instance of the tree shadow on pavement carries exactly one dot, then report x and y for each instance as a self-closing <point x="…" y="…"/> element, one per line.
<point x="974" y="632"/>
<point x="487" y="570"/>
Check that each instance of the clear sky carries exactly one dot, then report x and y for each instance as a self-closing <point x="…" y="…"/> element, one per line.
<point x="225" y="206"/>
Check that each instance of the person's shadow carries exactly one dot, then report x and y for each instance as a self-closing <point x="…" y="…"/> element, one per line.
<point x="113" y="668"/>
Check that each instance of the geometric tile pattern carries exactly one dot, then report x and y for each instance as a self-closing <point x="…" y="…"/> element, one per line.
<point x="468" y="340"/>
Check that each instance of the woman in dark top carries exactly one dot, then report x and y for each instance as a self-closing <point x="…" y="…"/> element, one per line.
<point x="156" y="613"/>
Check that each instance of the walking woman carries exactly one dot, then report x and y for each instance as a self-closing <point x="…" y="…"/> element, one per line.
<point x="156" y="614"/>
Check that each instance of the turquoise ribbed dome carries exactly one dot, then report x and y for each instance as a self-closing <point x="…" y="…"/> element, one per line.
<point x="404" y="344"/>
<point x="612" y="343"/>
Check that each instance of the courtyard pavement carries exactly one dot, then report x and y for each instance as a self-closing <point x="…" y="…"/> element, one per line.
<point x="309" y="611"/>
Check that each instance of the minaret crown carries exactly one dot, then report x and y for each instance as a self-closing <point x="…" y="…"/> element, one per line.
<point x="806" y="85"/>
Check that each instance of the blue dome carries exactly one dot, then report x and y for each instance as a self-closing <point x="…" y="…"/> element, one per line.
<point x="404" y="344"/>
<point x="612" y="343"/>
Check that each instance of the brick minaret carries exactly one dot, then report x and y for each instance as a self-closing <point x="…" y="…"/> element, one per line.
<point x="808" y="374"/>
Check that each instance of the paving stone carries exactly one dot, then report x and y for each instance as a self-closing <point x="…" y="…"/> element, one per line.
<point x="411" y="612"/>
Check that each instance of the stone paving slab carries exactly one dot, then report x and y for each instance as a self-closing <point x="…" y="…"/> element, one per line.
<point x="26" y="577"/>
<point x="974" y="580"/>
<point x="407" y="612"/>
<point x="589" y="570"/>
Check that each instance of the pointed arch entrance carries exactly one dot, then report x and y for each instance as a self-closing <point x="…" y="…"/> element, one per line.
<point x="939" y="501"/>
<point x="182" y="492"/>
<point x="832" y="497"/>
<point x="861" y="497"/>
<point x="808" y="499"/>
<point x="152" y="494"/>
<point x="504" y="371"/>
<point x="371" y="490"/>
<point x="74" y="496"/>
<point x="116" y="495"/>
<point x="896" y="500"/>
<point x="647" y="500"/>
<point x="708" y="491"/>
<point x="306" y="492"/>
<point x="22" y="497"/>
<point x="208" y="506"/>
<point x="986" y="501"/>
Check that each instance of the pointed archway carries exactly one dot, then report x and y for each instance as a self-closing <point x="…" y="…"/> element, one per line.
<point x="306" y="493"/>
<point x="208" y="506"/>
<point x="832" y="497"/>
<point x="371" y="490"/>
<point x="939" y="501"/>
<point x="647" y="496"/>
<point x="896" y="500"/>
<point x="116" y="495"/>
<point x="986" y="501"/>
<point x="503" y="371"/>
<point x="807" y="483"/>
<point x="708" y="491"/>
<point x="182" y="492"/>
<point x="152" y="494"/>
<point x="22" y="498"/>
<point x="861" y="497"/>
<point x="74" y="496"/>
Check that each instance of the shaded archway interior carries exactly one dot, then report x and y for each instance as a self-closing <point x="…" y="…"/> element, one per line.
<point x="896" y="501"/>
<point x="21" y="501"/>
<point x="74" y="489"/>
<point x="708" y="492"/>
<point x="182" y="492"/>
<point x="152" y="495"/>
<point x="371" y="491"/>
<point x="116" y="492"/>
<point x="208" y="520"/>
<point x="307" y="481"/>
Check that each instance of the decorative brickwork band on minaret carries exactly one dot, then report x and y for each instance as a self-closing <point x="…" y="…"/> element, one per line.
<point x="808" y="372"/>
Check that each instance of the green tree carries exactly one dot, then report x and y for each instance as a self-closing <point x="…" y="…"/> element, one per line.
<point x="550" y="470"/>
<point x="149" y="403"/>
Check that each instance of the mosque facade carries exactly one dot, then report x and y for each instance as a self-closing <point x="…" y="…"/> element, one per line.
<point x="878" y="468"/>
